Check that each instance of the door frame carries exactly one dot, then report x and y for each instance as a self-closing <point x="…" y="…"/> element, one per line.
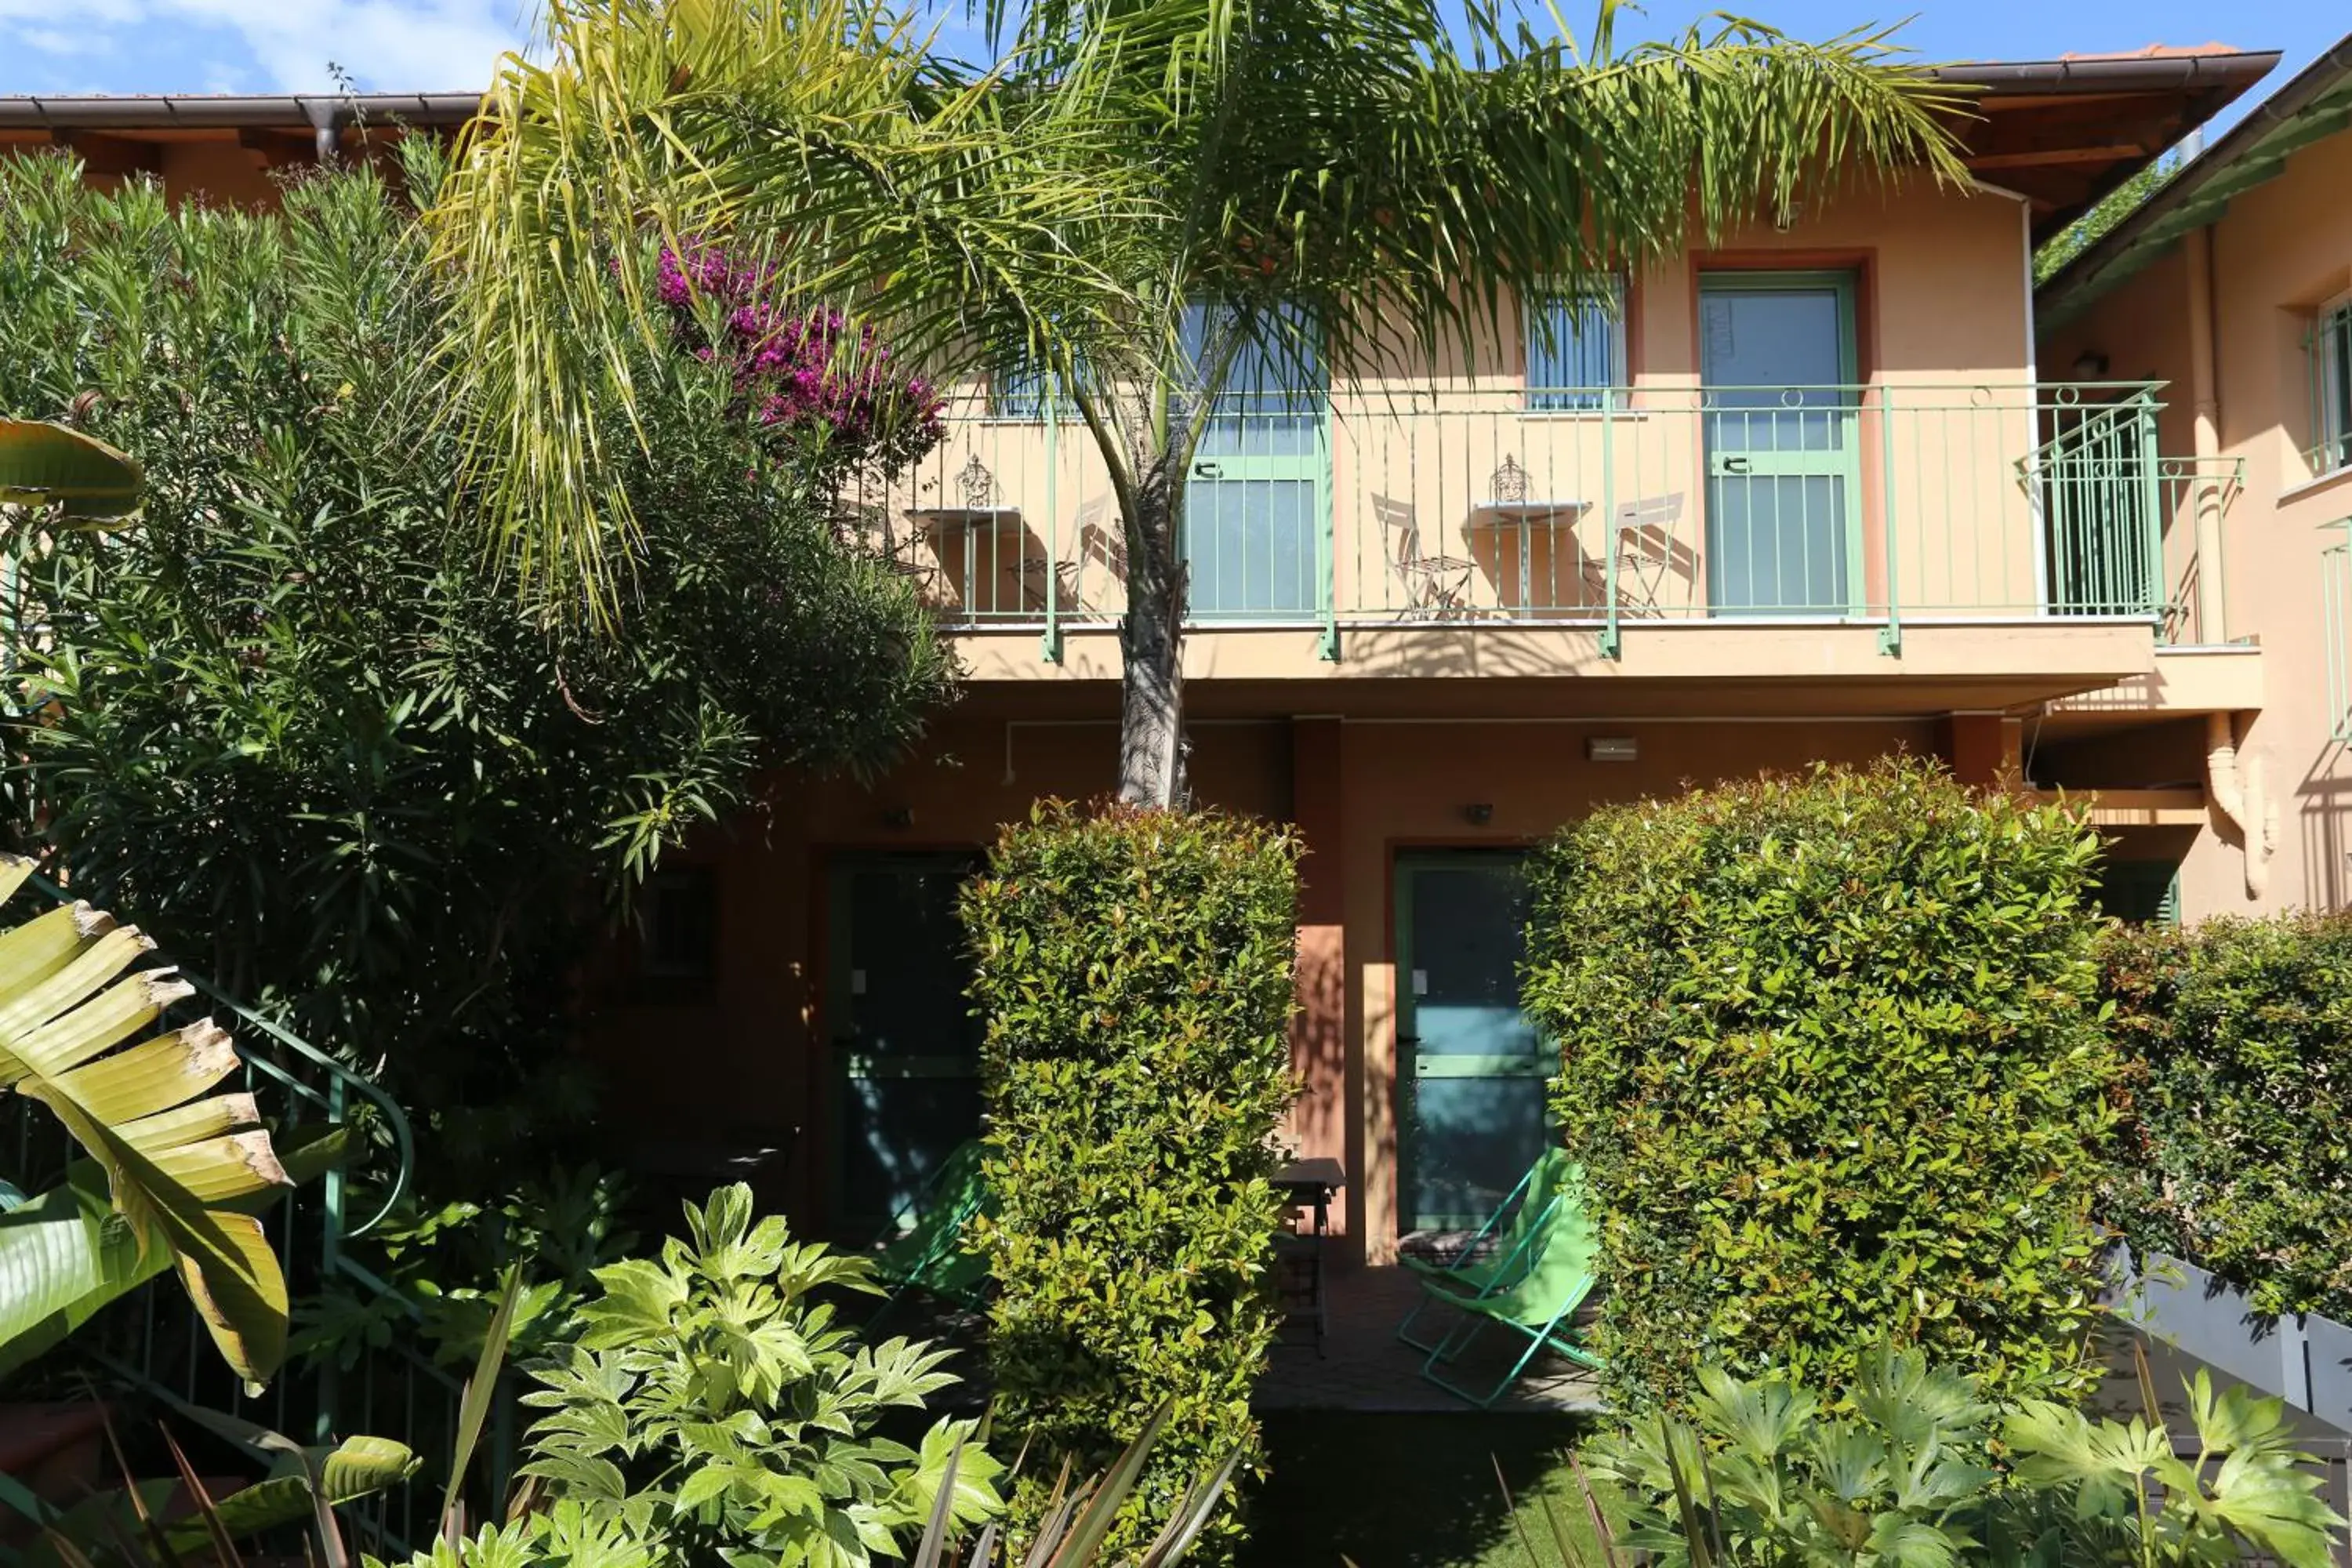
<point x="833" y="1003"/>
<point x="1404" y="1055"/>
<point x="1314" y="468"/>
<point x="1849" y="280"/>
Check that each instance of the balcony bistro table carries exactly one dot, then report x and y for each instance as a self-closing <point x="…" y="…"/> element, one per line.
<point x="1307" y="1185"/>
<point x="1520" y="518"/>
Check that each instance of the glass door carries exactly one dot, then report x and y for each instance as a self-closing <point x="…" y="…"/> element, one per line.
<point x="1783" y="475"/>
<point x="1254" y="500"/>
<point x="906" y="1048"/>
<point x="1471" y="1069"/>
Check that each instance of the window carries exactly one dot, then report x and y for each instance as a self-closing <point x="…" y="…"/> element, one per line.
<point x="678" y="925"/>
<point x="1576" y="348"/>
<point x="2330" y="351"/>
<point x="2142" y="893"/>
<point x="1018" y="391"/>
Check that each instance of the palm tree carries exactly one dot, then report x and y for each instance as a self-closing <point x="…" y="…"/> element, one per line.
<point x="1139" y="196"/>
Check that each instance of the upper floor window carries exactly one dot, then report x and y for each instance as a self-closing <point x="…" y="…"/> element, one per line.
<point x="1018" y="391"/>
<point x="1576" y="347"/>
<point x="2331" y="388"/>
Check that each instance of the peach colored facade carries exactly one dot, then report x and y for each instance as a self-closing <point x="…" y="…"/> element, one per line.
<point x="2224" y="314"/>
<point x="1483" y="578"/>
<point x="1392" y="729"/>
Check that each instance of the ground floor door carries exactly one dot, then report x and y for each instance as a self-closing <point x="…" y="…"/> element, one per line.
<point x="905" y="1046"/>
<point x="1471" y="1069"/>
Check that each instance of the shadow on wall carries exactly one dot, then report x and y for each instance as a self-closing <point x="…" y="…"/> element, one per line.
<point x="1412" y="1492"/>
<point x="2323" y="801"/>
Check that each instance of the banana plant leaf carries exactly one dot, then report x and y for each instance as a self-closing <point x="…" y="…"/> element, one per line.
<point x="66" y="1254"/>
<point x="176" y="1156"/>
<point x="42" y="464"/>
<point x="97" y="1526"/>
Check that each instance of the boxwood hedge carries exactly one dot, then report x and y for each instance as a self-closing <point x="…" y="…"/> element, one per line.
<point x="1832" y="1060"/>
<point x="1134" y="970"/>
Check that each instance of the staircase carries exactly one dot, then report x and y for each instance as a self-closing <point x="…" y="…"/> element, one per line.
<point x="150" y="1350"/>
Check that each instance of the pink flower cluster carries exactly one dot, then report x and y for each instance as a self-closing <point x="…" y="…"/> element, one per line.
<point x="803" y="380"/>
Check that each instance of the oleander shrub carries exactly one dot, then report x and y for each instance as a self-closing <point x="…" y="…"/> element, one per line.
<point x="1832" y="1061"/>
<point x="2238" y="1040"/>
<point x="1134" y="970"/>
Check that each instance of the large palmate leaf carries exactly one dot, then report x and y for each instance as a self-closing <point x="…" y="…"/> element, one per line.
<point x="174" y="1156"/>
<point x="41" y="464"/>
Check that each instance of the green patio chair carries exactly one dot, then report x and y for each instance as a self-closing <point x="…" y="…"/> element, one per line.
<point x="929" y="1254"/>
<point x="1498" y="1253"/>
<point x="1534" y="1308"/>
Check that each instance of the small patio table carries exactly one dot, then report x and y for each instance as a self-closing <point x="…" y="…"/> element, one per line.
<point x="1309" y="1185"/>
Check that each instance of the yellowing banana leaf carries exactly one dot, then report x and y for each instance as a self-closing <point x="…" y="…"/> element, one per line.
<point x="176" y="1157"/>
<point x="99" y="1525"/>
<point x="42" y="464"/>
<point x="66" y="1254"/>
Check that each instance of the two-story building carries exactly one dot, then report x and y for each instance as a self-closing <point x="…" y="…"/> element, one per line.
<point x="1802" y="496"/>
<point x="2232" y="287"/>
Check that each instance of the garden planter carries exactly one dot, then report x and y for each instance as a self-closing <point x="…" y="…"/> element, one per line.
<point x="2306" y="1361"/>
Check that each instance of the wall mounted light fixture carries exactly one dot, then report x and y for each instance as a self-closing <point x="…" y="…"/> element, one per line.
<point x="1612" y="749"/>
<point x="1479" y="814"/>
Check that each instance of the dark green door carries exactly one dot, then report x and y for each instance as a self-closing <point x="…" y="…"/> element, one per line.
<point x="906" y="1049"/>
<point x="1471" y="1067"/>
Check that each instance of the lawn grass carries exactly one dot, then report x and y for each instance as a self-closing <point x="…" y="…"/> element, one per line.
<point x="1416" y="1492"/>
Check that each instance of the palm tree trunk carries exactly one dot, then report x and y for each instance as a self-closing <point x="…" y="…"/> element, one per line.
<point x="1151" y="643"/>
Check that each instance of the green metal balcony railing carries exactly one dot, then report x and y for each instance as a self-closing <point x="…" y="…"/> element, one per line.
<point x="1391" y="504"/>
<point x="2335" y="626"/>
<point x="151" y="1341"/>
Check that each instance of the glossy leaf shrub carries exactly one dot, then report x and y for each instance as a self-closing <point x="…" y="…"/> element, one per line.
<point x="2239" y="1040"/>
<point x="1833" y="1062"/>
<point x="1134" y="968"/>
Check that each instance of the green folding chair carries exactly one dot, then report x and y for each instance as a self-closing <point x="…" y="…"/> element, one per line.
<point x="1536" y="1308"/>
<point x="1498" y="1253"/>
<point x="923" y="1246"/>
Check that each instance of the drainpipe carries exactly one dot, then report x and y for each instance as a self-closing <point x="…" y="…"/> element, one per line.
<point x="2204" y="387"/>
<point x="2234" y="785"/>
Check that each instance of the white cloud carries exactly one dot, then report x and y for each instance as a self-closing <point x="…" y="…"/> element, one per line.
<point x="388" y="45"/>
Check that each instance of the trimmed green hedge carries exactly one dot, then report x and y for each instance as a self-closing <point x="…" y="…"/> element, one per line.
<point x="1833" y="1061"/>
<point x="2239" y="1035"/>
<point x="1134" y="968"/>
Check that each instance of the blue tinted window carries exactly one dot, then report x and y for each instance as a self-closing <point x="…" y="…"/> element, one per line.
<point x="1576" y="349"/>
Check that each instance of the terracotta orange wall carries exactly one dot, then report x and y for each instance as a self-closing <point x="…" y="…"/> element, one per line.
<point x="2279" y="249"/>
<point x="1361" y="791"/>
<point x="213" y="168"/>
<point x="1407" y="785"/>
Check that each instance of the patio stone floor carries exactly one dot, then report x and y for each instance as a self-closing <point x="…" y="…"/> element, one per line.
<point x="1363" y="1367"/>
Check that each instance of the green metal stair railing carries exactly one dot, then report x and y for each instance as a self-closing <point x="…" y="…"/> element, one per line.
<point x="152" y="1341"/>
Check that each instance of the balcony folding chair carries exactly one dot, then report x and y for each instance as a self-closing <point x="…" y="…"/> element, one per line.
<point x="1499" y="1254"/>
<point x="1648" y="553"/>
<point x="1535" y="1309"/>
<point x="1435" y="584"/>
<point x="929" y="1254"/>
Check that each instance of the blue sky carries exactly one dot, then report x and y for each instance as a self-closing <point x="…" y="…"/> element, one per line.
<point x="263" y="46"/>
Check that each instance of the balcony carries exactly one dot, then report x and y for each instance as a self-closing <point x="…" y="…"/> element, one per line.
<point x="1384" y="511"/>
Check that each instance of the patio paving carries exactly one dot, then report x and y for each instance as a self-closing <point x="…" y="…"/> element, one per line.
<point x="1363" y="1366"/>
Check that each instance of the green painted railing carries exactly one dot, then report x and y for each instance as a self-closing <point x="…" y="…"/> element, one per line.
<point x="1484" y="504"/>
<point x="151" y="1343"/>
<point x="2336" y="623"/>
